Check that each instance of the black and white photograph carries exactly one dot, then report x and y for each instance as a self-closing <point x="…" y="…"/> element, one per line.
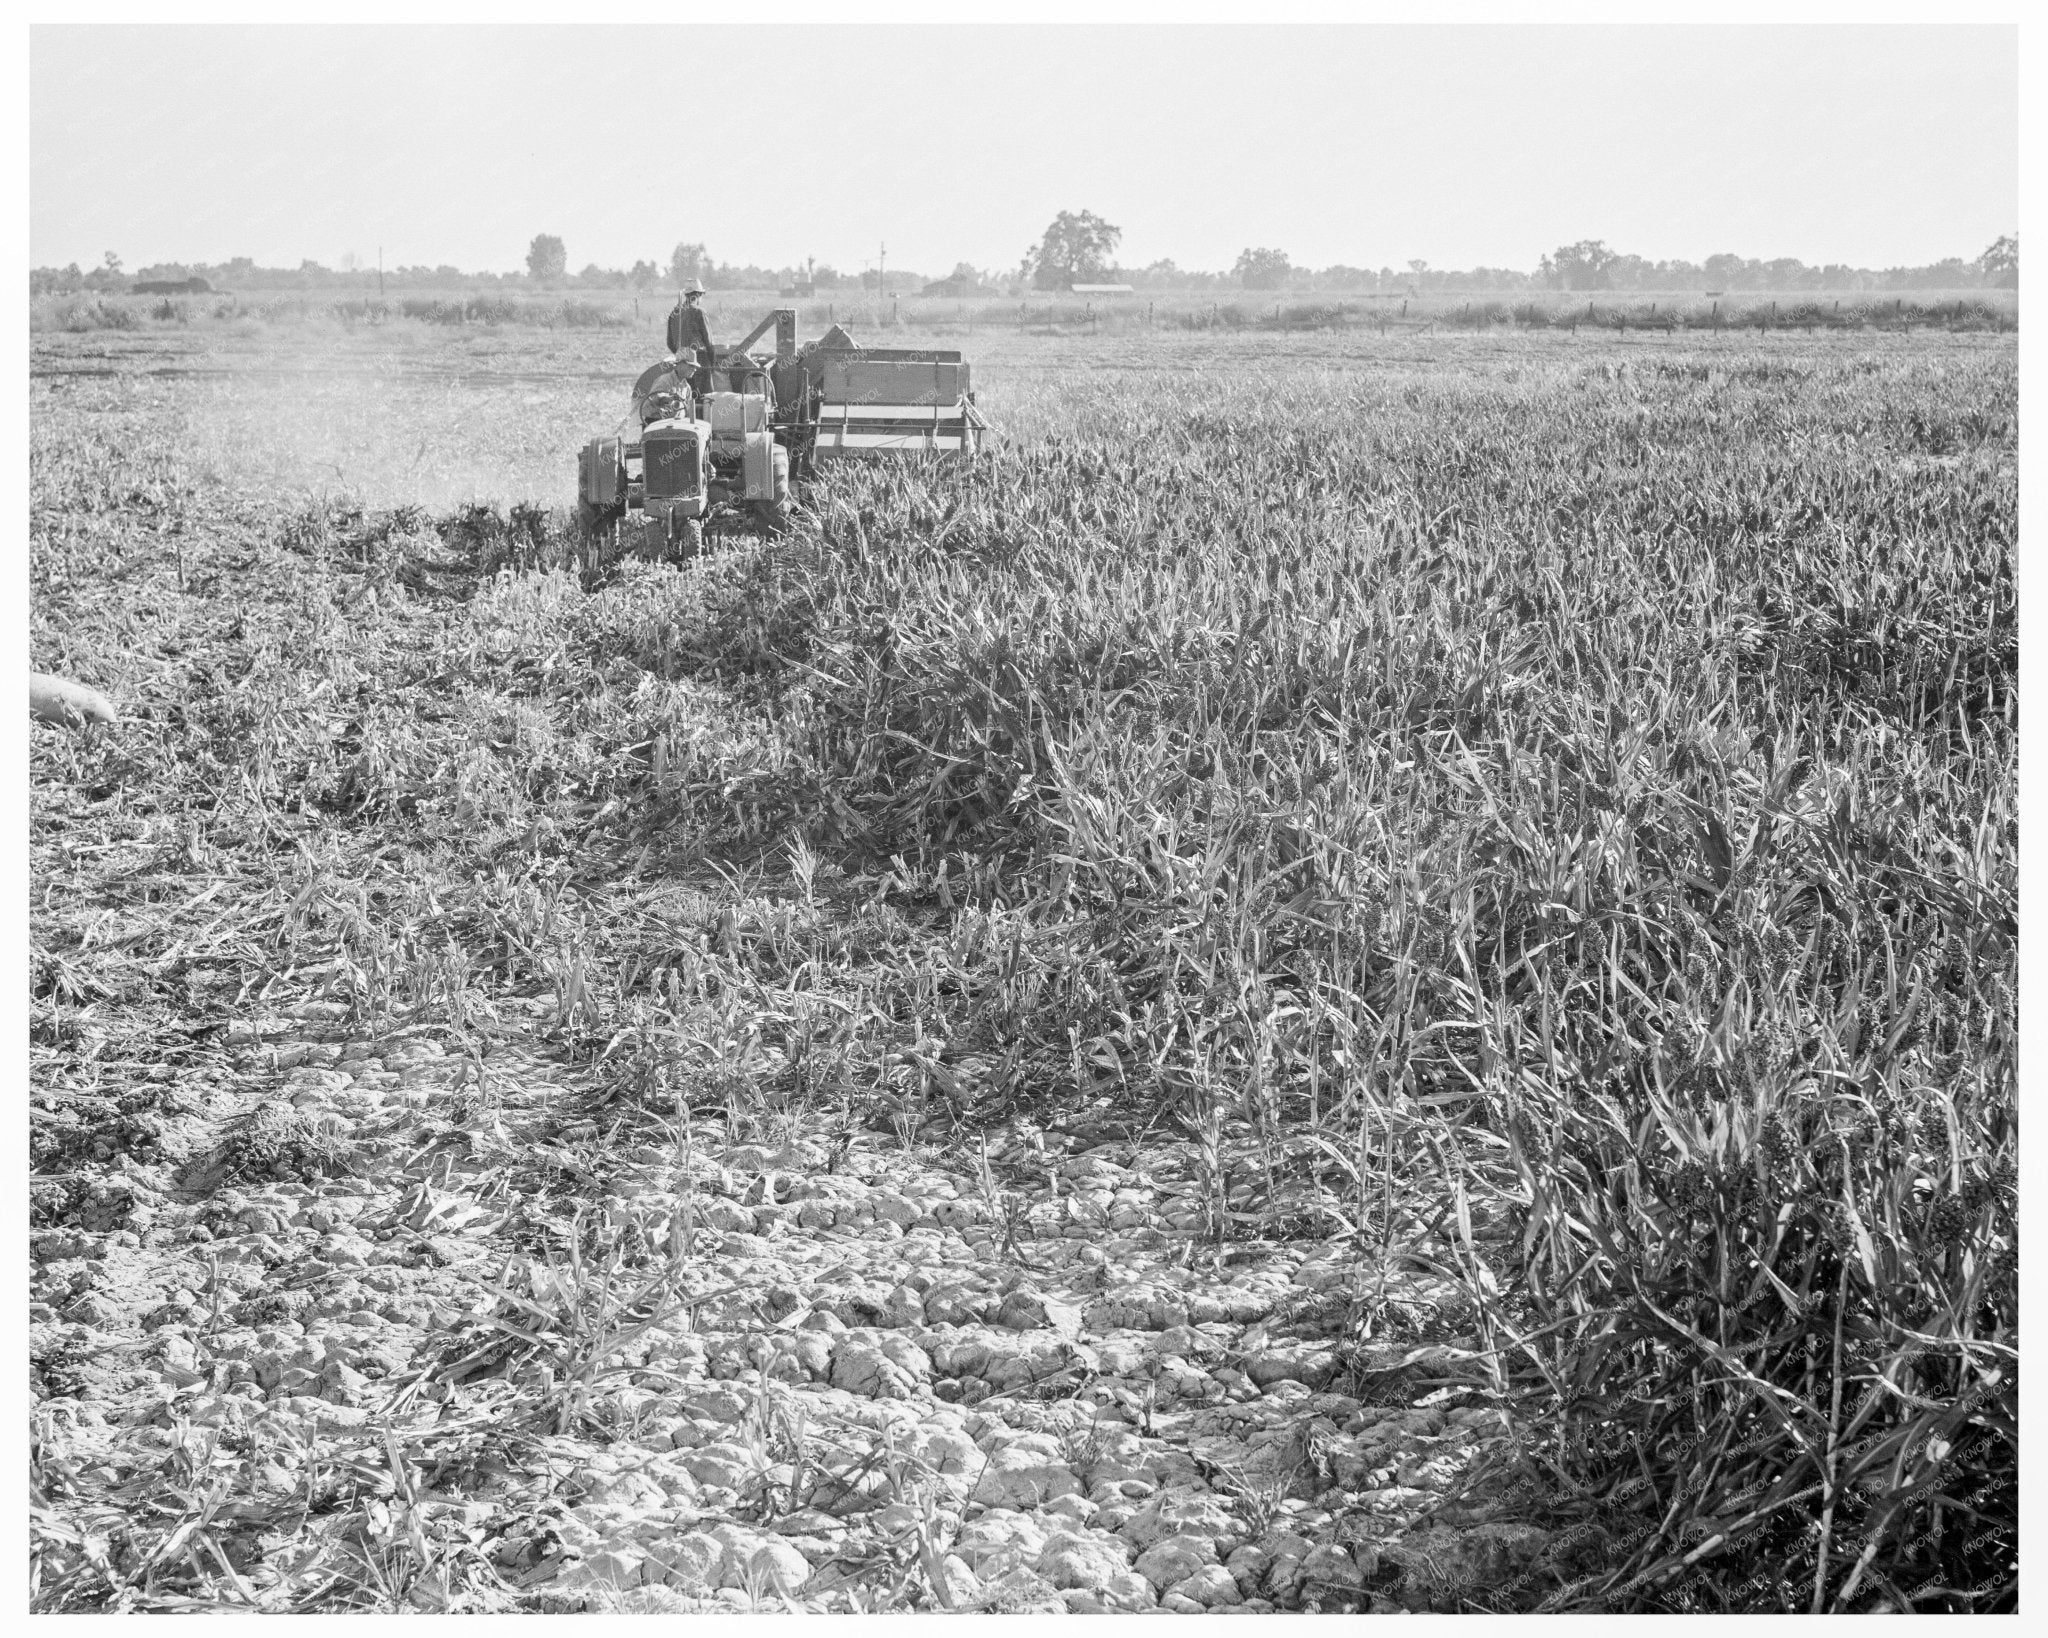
<point x="974" y="813"/>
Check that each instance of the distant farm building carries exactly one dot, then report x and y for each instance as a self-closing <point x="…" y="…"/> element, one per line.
<point x="803" y="289"/>
<point x="956" y="288"/>
<point x="1100" y="289"/>
<point x="173" y="287"/>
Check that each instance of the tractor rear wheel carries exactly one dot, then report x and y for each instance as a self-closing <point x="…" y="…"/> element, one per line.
<point x="772" y="515"/>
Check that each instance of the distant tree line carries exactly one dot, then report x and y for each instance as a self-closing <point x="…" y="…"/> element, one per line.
<point x="1591" y="266"/>
<point x="1079" y="247"/>
<point x="547" y="269"/>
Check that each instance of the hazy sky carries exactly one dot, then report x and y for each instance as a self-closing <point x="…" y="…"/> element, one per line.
<point x="1463" y="146"/>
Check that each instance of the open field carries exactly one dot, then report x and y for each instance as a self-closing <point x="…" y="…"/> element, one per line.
<point x="1621" y="311"/>
<point x="1361" y="971"/>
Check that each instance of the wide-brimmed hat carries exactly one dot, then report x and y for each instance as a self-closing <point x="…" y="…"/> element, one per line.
<point x="694" y="288"/>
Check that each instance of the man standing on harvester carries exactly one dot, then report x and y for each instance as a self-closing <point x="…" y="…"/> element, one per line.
<point x="689" y="333"/>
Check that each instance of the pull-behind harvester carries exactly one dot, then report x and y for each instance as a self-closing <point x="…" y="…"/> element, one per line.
<point x="766" y="419"/>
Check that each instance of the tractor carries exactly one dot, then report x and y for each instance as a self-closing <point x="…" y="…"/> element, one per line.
<point x="682" y="457"/>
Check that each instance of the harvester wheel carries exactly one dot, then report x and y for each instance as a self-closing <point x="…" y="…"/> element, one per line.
<point x="689" y="540"/>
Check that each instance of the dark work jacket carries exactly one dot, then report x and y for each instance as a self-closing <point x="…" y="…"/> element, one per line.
<point x="695" y="332"/>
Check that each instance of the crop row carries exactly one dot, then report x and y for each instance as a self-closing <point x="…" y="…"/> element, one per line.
<point x="1593" y="797"/>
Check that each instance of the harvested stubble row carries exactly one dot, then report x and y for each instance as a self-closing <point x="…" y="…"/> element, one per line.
<point x="853" y="1367"/>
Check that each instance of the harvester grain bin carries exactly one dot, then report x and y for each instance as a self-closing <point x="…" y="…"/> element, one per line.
<point x="681" y="456"/>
